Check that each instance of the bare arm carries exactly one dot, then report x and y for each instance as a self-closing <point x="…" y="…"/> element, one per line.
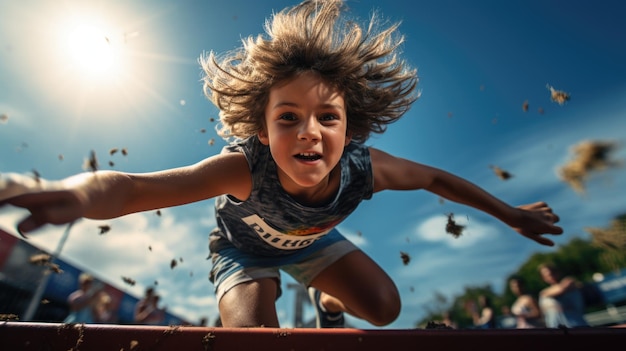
<point x="532" y="306"/>
<point x="559" y="288"/>
<point x="109" y="194"/>
<point x="393" y="173"/>
<point x="486" y="315"/>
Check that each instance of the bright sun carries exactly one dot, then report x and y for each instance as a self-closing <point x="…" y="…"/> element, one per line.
<point x="93" y="50"/>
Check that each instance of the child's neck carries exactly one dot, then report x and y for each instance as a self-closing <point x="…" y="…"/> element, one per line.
<point x="318" y="195"/>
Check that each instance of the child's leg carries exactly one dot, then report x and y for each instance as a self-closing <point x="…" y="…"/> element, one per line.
<point x="357" y="285"/>
<point x="250" y="304"/>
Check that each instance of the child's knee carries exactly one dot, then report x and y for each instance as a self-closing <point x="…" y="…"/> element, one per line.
<point x="388" y="307"/>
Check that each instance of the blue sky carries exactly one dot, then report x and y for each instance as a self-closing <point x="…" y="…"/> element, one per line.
<point x="477" y="61"/>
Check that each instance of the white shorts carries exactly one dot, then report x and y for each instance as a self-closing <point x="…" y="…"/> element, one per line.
<point x="232" y="266"/>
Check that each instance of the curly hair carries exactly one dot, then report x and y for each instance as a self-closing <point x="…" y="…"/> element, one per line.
<point x="362" y="63"/>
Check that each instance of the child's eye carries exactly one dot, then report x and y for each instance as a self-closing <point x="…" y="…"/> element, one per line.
<point x="328" y="117"/>
<point x="288" y="116"/>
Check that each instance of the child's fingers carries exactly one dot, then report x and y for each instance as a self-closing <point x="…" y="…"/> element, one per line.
<point x="55" y="207"/>
<point x="541" y="240"/>
<point x="15" y="184"/>
<point x="28" y="225"/>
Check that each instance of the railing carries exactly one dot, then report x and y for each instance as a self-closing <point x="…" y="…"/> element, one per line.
<point x="94" y="337"/>
<point x="610" y="316"/>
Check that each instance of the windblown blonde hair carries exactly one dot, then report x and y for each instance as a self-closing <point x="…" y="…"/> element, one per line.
<point x="361" y="62"/>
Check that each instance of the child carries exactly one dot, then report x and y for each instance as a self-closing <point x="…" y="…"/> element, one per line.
<point x="299" y="104"/>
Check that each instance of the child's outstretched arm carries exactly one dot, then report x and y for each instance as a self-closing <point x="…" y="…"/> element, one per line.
<point x="110" y="194"/>
<point x="393" y="173"/>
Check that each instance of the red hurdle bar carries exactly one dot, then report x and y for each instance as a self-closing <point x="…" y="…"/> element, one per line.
<point x="58" y="336"/>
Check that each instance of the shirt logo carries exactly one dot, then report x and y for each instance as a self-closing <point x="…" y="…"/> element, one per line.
<point x="280" y="240"/>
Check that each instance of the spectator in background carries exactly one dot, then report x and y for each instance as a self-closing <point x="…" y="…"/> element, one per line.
<point x="81" y="301"/>
<point x="447" y="320"/>
<point x="142" y="305"/>
<point x="562" y="302"/>
<point x="525" y="308"/>
<point x="103" y="309"/>
<point x="150" y="313"/>
<point x="484" y="316"/>
<point x="506" y="320"/>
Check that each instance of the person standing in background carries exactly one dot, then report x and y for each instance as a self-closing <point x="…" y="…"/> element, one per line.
<point x="103" y="309"/>
<point x="484" y="316"/>
<point x="81" y="301"/>
<point x="525" y="308"/>
<point x="562" y="302"/>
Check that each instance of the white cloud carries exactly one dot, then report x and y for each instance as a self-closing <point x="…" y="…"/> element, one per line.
<point x="433" y="229"/>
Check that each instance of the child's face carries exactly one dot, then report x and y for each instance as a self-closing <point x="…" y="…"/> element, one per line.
<point x="305" y="128"/>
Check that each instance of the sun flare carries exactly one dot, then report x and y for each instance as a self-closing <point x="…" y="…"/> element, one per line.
<point x="93" y="50"/>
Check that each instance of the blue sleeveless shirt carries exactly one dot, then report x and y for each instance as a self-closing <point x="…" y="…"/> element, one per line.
<point x="270" y="222"/>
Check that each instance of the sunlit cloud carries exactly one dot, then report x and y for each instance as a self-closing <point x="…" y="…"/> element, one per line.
<point x="433" y="229"/>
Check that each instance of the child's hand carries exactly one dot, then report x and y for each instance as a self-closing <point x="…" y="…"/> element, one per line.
<point x="14" y="184"/>
<point x="47" y="202"/>
<point x="535" y="220"/>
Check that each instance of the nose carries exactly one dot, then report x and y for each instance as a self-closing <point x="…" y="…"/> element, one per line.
<point x="309" y="129"/>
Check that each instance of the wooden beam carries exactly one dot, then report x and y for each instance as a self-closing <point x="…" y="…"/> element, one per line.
<point x="57" y="336"/>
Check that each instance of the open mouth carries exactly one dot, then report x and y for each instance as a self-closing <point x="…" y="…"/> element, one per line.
<point x="308" y="156"/>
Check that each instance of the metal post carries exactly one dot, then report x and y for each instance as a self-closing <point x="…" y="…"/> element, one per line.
<point x="36" y="299"/>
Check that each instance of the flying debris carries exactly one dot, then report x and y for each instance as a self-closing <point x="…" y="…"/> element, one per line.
<point x="502" y="174"/>
<point x="611" y="240"/>
<point x="590" y="156"/>
<point x="54" y="268"/>
<point x="558" y="96"/>
<point x="41" y="259"/>
<point x="9" y="317"/>
<point x="4" y="118"/>
<point x="129" y="281"/>
<point x="525" y="106"/>
<point x="211" y="142"/>
<point x="124" y="152"/>
<point x="405" y="258"/>
<point x="452" y="228"/>
<point x="173" y="263"/>
<point x="113" y="151"/>
<point x="158" y="213"/>
<point x="91" y="164"/>
<point x="104" y="228"/>
<point x="36" y="175"/>
<point x="46" y="261"/>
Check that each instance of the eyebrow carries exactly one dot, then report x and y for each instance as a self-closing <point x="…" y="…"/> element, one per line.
<point x="293" y="104"/>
